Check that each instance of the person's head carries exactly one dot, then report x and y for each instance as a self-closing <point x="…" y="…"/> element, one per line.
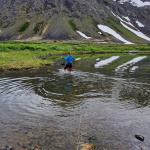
<point x="69" y="53"/>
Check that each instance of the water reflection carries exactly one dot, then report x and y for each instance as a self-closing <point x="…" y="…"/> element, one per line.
<point x="67" y="90"/>
<point x="129" y="63"/>
<point x="106" y="61"/>
<point x="132" y="70"/>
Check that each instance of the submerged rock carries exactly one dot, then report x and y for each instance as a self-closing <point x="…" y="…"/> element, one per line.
<point x="139" y="137"/>
<point x="63" y="63"/>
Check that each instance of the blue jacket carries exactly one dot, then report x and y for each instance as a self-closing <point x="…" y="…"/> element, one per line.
<point x="69" y="59"/>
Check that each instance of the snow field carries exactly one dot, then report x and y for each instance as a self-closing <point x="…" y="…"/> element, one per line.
<point x="113" y="33"/>
<point x="138" y="33"/>
<point x="137" y="3"/>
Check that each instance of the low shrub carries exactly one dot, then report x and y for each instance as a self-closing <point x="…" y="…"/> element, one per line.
<point x="23" y="27"/>
<point x="37" y="27"/>
<point x="73" y="26"/>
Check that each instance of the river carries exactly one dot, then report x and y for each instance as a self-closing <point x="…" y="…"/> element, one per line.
<point x="106" y="98"/>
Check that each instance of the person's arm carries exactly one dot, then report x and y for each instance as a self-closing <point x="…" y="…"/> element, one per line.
<point x="73" y="58"/>
<point x="65" y="58"/>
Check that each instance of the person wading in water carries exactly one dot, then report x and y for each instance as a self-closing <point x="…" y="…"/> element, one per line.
<point x="69" y="59"/>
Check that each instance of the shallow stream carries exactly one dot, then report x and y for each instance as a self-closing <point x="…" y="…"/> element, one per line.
<point x="106" y="98"/>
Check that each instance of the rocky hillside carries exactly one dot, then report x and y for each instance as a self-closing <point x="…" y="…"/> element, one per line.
<point x="119" y="21"/>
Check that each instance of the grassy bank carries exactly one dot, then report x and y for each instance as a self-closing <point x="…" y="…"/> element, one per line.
<point x="18" y="55"/>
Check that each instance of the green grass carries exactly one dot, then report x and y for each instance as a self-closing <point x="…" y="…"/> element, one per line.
<point x="92" y="21"/>
<point x="71" y="23"/>
<point x="23" y="27"/>
<point x="19" y="55"/>
<point x="115" y="24"/>
<point x="19" y="61"/>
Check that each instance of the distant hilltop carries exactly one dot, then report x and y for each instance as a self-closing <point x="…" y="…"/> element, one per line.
<point x="106" y="21"/>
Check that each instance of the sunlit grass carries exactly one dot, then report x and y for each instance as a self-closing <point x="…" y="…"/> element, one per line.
<point x="19" y="60"/>
<point x="19" y="55"/>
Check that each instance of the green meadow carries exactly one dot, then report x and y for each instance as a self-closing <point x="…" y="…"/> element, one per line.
<point x="19" y="55"/>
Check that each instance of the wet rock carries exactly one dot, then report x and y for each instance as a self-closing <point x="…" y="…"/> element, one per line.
<point x="12" y="69"/>
<point x="56" y="64"/>
<point x="139" y="137"/>
<point x="133" y="51"/>
<point x="63" y="63"/>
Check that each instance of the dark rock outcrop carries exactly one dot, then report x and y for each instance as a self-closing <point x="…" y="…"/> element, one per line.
<point x="61" y="18"/>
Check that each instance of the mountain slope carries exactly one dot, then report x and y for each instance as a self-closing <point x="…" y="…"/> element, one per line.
<point x="60" y="20"/>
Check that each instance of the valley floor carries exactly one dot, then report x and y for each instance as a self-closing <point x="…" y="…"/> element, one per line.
<point x="23" y="55"/>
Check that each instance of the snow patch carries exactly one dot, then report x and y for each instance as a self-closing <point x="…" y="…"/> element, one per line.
<point x="106" y="61"/>
<point x="114" y="14"/>
<point x="100" y="32"/>
<point x="103" y="42"/>
<point x="129" y="63"/>
<point x="137" y="3"/>
<point x="113" y="33"/>
<point x="127" y="18"/>
<point x="139" y="24"/>
<point x="123" y="20"/>
<point x="138" y="33"/>
<point x="83" y="35"/>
